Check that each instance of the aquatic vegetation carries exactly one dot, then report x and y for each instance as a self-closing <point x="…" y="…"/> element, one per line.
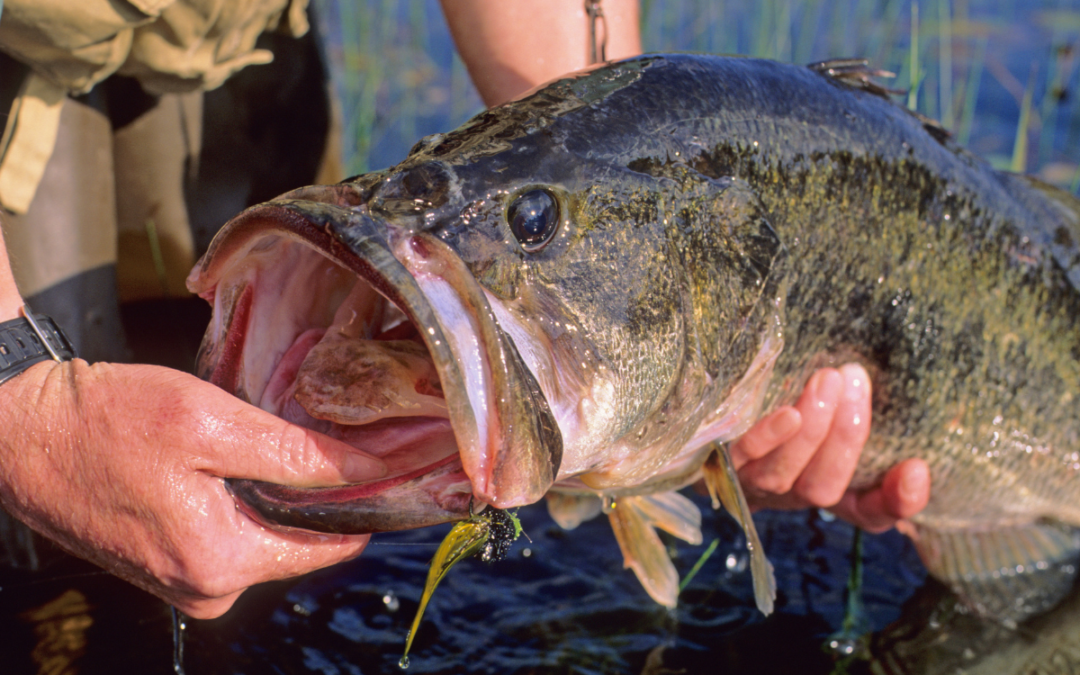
<point x="398" y="77"/>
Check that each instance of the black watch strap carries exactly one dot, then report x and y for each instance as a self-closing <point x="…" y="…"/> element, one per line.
<point x="30" y="339"/>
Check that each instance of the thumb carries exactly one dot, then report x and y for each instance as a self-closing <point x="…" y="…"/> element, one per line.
<point x="251" y="443"/>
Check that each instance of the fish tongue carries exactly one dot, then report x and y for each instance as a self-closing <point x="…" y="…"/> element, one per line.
<point x="356" y="381"/>
<point x="349" y="378"/>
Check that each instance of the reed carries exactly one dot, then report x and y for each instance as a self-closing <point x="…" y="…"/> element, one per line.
<point x="914" y="75"/>
<point x="1020" y="142"/>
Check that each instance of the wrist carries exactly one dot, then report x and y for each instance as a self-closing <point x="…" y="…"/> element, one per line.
<point x="28" y="340"/>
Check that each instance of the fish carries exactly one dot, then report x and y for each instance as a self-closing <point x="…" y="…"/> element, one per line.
<point x="582" y="295"/>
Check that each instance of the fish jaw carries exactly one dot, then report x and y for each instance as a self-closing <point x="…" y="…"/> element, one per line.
<point x="288" y="278"/>
<point x="523" y="446"/>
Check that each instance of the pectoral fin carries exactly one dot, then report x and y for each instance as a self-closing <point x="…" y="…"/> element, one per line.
<point x="672" y="513"/>
<point x="569" y="511"/>
<point x="723" y="484"/>
<point x="1004" y="573"/>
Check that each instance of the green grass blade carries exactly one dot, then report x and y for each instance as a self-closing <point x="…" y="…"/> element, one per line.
<point x="1020" y="143"/>
<point x="971" y="92"/>
<point x="945" y="63"/>
<point x="915" y="75"/>
<point x="698" y="565"/>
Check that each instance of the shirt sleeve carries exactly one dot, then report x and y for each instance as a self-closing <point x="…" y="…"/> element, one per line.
<point x="75" y="45"/>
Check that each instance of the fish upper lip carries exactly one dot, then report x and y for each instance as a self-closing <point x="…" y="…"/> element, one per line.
<point x="351" y="238"/>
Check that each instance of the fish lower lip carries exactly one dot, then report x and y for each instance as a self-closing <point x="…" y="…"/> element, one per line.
<point x="433" y="494"/>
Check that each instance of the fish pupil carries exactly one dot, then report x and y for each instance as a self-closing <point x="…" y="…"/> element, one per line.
<point x="533" y="219"/>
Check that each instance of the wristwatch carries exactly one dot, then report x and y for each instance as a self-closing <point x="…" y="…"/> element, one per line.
<point x="28" y="340"/>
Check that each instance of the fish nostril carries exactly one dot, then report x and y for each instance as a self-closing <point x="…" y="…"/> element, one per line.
<point x="413" y="191"/>
<point x="427" y="183"/>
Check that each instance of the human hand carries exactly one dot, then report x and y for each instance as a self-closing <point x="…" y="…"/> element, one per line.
<point x="123" y="465"/>
<point x="805" y="456"/>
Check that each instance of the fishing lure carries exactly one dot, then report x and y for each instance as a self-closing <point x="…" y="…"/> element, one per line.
<point x="488" y="535"/>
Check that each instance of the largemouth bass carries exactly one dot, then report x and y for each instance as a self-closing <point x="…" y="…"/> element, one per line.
<point x="580" y="293"/>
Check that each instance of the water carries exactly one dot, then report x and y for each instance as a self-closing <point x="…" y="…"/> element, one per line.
<point x="567" y="606"/>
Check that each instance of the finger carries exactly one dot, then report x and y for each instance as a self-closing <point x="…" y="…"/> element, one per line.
<point x="829" y="471"/>
<point x="255" y="553"/>
<point x="766" y="435"/>
<point x="777" y="472"/>
<point x="250" y="443"/>
<point x="906" y="488"/>
<point x="904" y="492"/>
<point x="295" y="553"/>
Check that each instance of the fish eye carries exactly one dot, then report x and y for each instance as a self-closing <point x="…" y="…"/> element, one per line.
<point x="533" y="218"/>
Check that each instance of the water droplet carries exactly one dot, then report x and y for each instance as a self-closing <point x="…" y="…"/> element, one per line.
<point x="391" y="601"/>
<point x="844" y="647"/>
<point x="735" y="563"/>
<point x="403" y="663"/>
<point x="526" y="553"/>
<point x="608" y="504"/>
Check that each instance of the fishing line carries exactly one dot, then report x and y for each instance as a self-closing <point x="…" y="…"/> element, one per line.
<point x="596" y="15"/>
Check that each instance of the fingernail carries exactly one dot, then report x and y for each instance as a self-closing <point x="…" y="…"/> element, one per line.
<point x="856" y="382"/>
<point x="826" y="385"/>
<point x="360" y="468"/>
<point x="913" y="484"/>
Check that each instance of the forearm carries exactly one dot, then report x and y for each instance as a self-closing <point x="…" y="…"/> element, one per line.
<point x="510" y="46"/>
<point x="10" y="300"/>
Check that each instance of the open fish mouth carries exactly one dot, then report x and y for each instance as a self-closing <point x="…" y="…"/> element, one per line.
<point x="377" y="335"/>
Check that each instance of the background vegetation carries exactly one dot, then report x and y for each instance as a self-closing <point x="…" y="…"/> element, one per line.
<point x="1000" y="74"/>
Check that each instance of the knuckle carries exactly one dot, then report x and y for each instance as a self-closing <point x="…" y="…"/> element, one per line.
<point x="773" y="482"/>
<point x="206" y="609"/>
<point x="748" y="447"/>
<point x="295" y="453"/>
<point x="201" y="579"/>
<point x="820" y="495"/>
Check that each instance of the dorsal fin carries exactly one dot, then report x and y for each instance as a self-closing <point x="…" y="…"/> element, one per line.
<point x="858" y="73"/>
